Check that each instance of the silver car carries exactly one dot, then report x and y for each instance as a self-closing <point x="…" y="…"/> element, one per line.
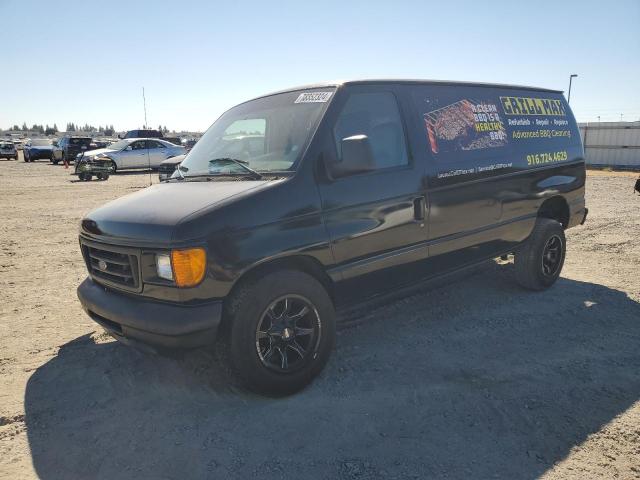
<point x="136" y="153"/>
<point x="8" y="149"/>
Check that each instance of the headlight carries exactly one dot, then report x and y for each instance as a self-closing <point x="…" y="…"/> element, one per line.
<point x="188" y="266"/>
<point x="185" y="267"/>
<point x="163" y="267"/>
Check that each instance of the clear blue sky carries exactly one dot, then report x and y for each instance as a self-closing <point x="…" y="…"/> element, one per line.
<point x="86" y="61"/>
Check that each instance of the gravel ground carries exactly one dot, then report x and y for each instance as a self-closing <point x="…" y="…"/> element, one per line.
<point x="476" y="379"/>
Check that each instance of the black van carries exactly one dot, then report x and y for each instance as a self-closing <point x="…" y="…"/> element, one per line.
<point x="298" y="203"/>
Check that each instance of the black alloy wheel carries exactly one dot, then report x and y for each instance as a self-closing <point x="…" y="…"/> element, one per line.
<point x="288" y="333"/>
<point x="552" y="256"/>
<point x="539" y="260"/>
<point x="281" y="331"/>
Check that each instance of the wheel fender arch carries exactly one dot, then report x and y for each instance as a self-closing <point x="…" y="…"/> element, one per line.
<point x="296" y="262"/>
<point x="555" y="208"/>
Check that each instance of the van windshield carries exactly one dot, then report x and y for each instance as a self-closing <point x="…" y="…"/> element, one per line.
<point x="268" y="134"/>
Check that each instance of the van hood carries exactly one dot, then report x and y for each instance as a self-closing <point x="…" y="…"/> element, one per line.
<point x="150" y="216"/>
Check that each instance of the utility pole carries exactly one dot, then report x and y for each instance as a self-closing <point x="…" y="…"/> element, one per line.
<point x="570" y="78"/>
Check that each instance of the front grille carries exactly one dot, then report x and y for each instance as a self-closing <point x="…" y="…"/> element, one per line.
<point x="114" y="266"/>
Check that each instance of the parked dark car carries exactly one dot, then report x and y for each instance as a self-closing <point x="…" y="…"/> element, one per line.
<point x="167" y="167"/>
<point x="355" y="191"/>
<point x="8" y="150"/>
<point x="68" y="147"/>
<point x="143" y="134"/>
<point x="37" y="149"/>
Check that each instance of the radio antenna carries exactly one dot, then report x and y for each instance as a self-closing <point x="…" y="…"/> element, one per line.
<point x="144" y="103"/>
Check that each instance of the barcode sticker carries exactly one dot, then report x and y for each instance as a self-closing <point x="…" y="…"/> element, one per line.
<point x="313" y="97"/>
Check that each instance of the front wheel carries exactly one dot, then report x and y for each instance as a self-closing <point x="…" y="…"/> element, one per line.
<point x="282" y="331"/>
<point x="539" y="261"/>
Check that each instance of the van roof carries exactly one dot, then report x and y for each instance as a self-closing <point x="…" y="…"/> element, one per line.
<point x="410" y="82"/>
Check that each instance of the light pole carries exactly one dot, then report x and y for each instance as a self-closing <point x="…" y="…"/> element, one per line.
<point x="570" y="78"/>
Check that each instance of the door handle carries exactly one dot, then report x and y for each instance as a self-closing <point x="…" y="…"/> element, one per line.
<point x="419" y="208"/>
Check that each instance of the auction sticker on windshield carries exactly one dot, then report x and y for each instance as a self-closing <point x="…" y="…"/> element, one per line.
<point x="313" y="97"/>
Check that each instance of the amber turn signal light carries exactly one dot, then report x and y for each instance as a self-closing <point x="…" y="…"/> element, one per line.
<point x="188" y="266"/>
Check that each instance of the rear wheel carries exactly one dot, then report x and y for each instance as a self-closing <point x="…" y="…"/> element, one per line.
<point x="103" y="176"/>
<point x="85" y="177"/>
<point x="539" y="261"/>
<point x="282" y="331"/>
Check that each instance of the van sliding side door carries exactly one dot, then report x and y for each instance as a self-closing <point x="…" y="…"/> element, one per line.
<point x="468" y="153"/>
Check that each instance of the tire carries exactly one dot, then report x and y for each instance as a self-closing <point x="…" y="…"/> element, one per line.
<point x="103" y="176"/>
<point x="85" y="177"/>
<point x="539" y="261"/>
<point x="114" y="167"/>
<point x="257" y="357"/>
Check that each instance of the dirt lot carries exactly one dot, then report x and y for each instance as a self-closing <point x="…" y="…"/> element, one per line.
<point x="477" y="379"/>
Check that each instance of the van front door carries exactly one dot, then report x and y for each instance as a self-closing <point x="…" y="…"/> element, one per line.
<point x="375" y="220"/>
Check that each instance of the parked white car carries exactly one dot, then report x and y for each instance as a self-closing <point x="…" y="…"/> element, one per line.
<point x="136" y="153"/>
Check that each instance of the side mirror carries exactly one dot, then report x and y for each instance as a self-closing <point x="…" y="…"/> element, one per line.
<point x="357" y="157"/>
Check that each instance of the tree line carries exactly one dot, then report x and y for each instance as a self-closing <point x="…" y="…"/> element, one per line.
<point x="107" y="130"/>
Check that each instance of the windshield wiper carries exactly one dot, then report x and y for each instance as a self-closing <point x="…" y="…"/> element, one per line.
<point x="235" y="161"/>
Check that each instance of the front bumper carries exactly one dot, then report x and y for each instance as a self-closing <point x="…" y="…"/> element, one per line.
<point x="135" y="319"/>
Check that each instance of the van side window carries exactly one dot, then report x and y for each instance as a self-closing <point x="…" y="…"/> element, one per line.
<point x="377" y="116"/>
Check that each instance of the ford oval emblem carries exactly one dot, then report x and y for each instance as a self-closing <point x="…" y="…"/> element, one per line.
<point x="102" y="265"/>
